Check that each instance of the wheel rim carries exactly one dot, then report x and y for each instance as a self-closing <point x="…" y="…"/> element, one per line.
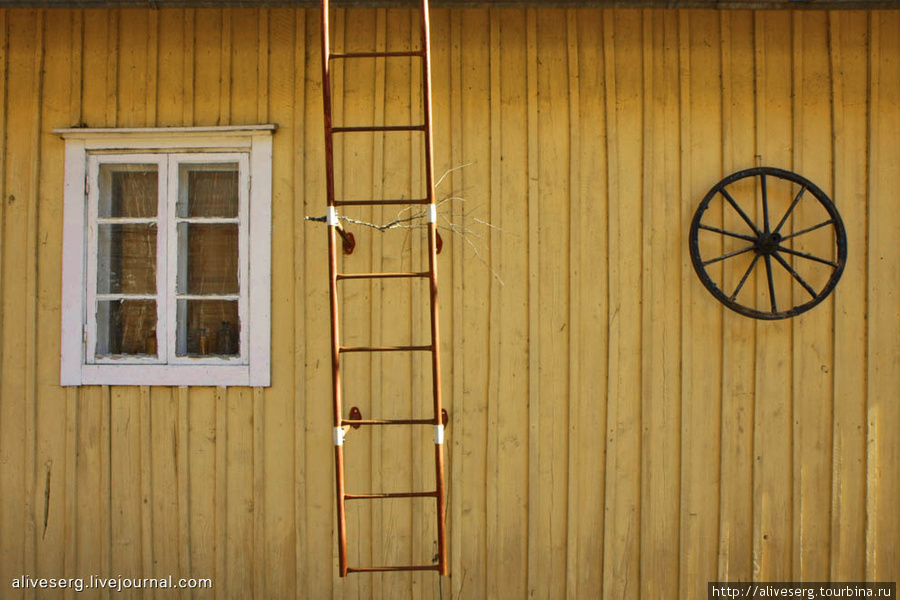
<point x="734" y="243"/>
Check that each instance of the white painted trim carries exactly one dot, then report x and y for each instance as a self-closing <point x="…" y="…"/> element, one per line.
<point x="127" y="146"/>
<point x="72" y="330"/>
<point x="81" y="133"/>
<point x="260" y="317"/>
<point x="218" y="375"/>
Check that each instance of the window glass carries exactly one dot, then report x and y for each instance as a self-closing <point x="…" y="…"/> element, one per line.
<point x="208" y="191"/>
<point x="209" y="258"/>
<point x="126" y="327"/>
<point x="126" y="258"/>
<point x="128" y="191"/>
<point x="208" y="328"/>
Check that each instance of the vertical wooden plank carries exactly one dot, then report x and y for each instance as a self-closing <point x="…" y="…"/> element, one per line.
<point x="552" y="334"/>
<point x="661" y="308"/>
<point x="258" y="494"/>
<point x="207" y="70"/>
<point x="773" y="448"/>
<point x="592" y="333"/>
<point x="241" y="41"/>
<point x="470" y="425"/>
<point x="221" y="486"/>
<point x="278" y="463"/>
<point x="183" y="530"/>
<point x="153" y="51"/>
<point x="29" y="193"/>
<point x="146" y="485"/>
<point x="436" y="587"/>
<point x="227" y="73"/>
<point x="813" y="331"/>
<point x="623" y="43"/>
<point x="165" y="488"/>
<point x="133" y="68"/>
<point x="125" y="482"/>
<point x="454" y="506"/>
<point x="575" y="322"/>
<point x="849" y="43"/>
<point x="173" y="66"/>
<point x="321" y="567"/>
<point x="240" y="509"/>
<point x="883" y="453"/>
<point x="17" y="410"/>
<point x="204" y="498"/>
<point x="507" y="539"/>
<point x="299" y="88"/>
<point x="534" y="396"/>
<point x="492" y="490"/>
<point x="738" y="332"/>
<point x="702" y="317"/>
<point x="187" y="104"/>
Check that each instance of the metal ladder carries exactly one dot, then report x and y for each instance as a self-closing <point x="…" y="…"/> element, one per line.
<point x="341" y="424"/>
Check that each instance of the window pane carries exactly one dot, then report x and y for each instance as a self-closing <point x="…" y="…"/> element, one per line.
<point x="126" y="259"/>
<point x="208" y="258"/>
<point x="126" y="327"/>
<point x="208" y="328"/>
<point x="128" y="191"/>
<point x="208" y="191"/>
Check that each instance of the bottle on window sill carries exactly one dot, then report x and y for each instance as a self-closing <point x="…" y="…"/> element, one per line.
<point x="150" y="345"/>
<point x="202" y="342"/>
<point x="224" y="339"/>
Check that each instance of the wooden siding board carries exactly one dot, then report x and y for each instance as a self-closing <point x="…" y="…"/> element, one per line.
<point x="592" y="383"/>
<point x="622" y="538"/>
<point x="661" y="394"/>
<point x="883" y="420"/>
<point x="738" y="332"/>
<point x="848" y="44"/>
<point x="814" y="332"/>
<point x="280" y="406"/>
<point x="470" y="423"/>
<point x="17" y="357"/>
<point x="774" y="404"/>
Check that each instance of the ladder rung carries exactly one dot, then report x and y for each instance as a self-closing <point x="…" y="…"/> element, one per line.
<point x="375" y="54"/>
<point x="385" y="348"/>
<point x="390" y="495"/>
<point x="377" y="128"/>
<point x="380" y="275"/>
<point x="387" y="422"/>
<point x="389" y="569"/>
<point x="401" y="202"/>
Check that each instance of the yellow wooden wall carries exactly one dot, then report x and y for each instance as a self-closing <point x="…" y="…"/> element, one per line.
<point x="614" y="431"/>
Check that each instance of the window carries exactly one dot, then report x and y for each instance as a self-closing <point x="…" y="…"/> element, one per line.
<point x="166" y="254"/>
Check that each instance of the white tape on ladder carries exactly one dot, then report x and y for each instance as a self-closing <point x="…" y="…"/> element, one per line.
<point x="338" y="436"/>
<point x="438" y="434"/>
<point x="331" y="217"/>
<point x="432" y="213"/>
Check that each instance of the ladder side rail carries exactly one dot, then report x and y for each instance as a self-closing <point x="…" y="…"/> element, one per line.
<point x="333" y="299"/>
<point x="432" y="268"/>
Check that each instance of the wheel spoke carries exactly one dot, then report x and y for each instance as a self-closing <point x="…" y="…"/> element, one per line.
<point x="807" y="230"/>
<point x="795" y="275"/>
<point x="739" y="211"/>
<point x="808" y="256"/>
<point x="729" y="255"/>
<point x="744" y="278"/>
<point x="771" y="283"/>
<point x="790" y="209"/>
<point x="749" y="238"/>
<point x="765" y="201"/>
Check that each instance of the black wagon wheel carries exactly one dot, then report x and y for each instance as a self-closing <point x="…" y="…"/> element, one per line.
<point x="773" y="242"/>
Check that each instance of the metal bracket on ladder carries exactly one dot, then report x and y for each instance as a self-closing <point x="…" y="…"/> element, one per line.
<point x="439" y="419"/>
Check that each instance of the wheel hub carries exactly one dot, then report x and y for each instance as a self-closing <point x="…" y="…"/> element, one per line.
<point x="767" y="243"/>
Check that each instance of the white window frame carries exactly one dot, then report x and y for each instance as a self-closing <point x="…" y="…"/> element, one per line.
<point x="168" y="148"/>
